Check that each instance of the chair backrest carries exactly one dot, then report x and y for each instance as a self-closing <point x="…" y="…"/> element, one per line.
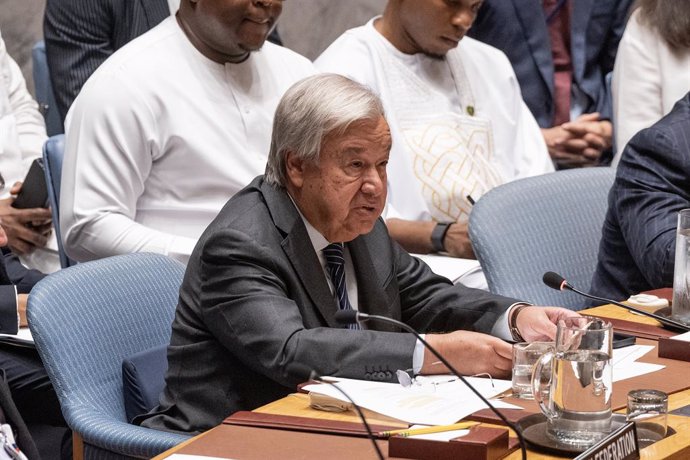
<point x="85" y="320"/>
<point x="44" y="90"/>
<point x="53" y="151"/>
<point x="545" y="223"/>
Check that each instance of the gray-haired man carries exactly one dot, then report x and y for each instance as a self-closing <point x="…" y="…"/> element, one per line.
<point x="262" y="288"/>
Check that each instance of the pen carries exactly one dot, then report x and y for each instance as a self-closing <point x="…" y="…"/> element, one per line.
<point x="427" y="430"/>
<point x="470" y="199"/>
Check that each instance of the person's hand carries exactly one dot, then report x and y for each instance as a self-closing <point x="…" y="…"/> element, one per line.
<point x="538" y="324"/>
<point x="22" y="300"/>
<point x="580" y="142"/>
<point x="470" y="353"/>
<point x="457" y="242"/>
<point x="26" y="229"/>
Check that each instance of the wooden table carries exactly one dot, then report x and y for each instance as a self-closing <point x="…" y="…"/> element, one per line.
<point x="676" y="446"/>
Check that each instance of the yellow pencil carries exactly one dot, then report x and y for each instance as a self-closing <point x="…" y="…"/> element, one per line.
<point x="427" y="430"/>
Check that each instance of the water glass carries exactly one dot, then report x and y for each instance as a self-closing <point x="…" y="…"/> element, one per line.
<point x="525" y="355"/>
<point x="680" y="308"/>
<point x="649" y="410"/>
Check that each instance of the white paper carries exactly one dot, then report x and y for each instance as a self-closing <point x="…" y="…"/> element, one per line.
<point x="425" y="404"/>
<point x="465" y="271"/>
<point x="685" y="337"/>
<point x="441" y="436"/>
<point x="625" y="365"/>
<point x="24" y="335"/>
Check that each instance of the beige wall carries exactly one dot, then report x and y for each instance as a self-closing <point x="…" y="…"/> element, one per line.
<point x="21" y="23"/>
<point x="309" y="26"/>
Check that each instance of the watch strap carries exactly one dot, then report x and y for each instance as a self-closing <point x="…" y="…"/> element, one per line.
<point x="438" y="234"/>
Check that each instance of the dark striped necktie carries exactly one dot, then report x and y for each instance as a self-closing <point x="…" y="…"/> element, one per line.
<point x="335" y="261"/>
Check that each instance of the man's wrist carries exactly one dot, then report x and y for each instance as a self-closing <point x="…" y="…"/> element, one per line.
<point x="438" y="235"/>
<point x="512" y="322"/>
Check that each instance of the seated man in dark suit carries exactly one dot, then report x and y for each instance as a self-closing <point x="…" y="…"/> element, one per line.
<point x="288" y="251"/>
<point x="637" y="250"/>
<point x="561" y="51"/>
<point x="24" y="381"/>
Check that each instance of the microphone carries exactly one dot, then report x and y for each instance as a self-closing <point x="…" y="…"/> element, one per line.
<point x="352" y="316"/>
<point x="557" y="282"/>
<point x="305" y="373"/>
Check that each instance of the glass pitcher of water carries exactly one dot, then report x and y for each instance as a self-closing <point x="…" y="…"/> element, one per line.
<point x="680" y="308"/>
<point x="573" y="384"/>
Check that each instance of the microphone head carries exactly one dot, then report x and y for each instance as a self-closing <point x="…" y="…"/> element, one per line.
<point x="554" y="281"/>
<point x="346" y="316"/>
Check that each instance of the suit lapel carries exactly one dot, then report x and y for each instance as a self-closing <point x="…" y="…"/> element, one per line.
<point x="300" y="252"/>
<point x="530" y="14"/>
<point x="579" y="20"/>
<point x="372" y="298"/>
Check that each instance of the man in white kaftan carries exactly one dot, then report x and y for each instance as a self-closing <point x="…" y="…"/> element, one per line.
<point x="170" y="127"/>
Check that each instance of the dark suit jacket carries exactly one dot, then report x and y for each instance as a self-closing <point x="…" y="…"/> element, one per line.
<point x="80" y="35"/>
<point x="637" y="250"/>
<point x="255" y="299"/>
<point x="13" y="274"/>
<point x="518" y="28"/>
<point x="10" y="414"/>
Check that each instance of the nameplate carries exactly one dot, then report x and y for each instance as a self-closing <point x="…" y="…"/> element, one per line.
<point x="619" y="445"/>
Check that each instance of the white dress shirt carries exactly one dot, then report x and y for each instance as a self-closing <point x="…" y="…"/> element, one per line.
<point x="159" y="139"/>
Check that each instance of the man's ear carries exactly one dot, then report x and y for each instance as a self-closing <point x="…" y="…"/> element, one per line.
<point x="294" y="167"/>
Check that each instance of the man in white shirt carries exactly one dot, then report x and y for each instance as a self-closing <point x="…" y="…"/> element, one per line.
<point x="170" y="127"/>
<point x="22" y="134"/>
<point x="457" y="118"/>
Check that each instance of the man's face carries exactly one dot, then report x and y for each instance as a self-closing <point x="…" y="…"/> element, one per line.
<point x="3" y="237"/>
<point x="344" y="194"/>
<point x="434" y="27"/>
<point x="234" y="27"/>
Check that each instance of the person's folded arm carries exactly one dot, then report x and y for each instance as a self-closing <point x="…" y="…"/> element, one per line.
<point x="651" y="187"/>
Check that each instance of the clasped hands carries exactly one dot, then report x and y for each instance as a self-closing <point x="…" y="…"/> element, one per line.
<point x="580" y="142"/>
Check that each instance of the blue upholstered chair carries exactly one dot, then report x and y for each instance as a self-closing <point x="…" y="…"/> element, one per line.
<point x="545" y="223"/>
<point x="44" y="90"/>
<point x="53" y="151"/>
<point x="85" y="320"/>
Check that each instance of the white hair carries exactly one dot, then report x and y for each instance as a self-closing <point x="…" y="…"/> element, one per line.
<point x="310" y="110"/>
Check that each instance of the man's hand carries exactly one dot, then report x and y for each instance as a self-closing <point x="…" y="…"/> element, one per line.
<point x="457" y="242"/>
<point x="539" y="323"/>
<point x="27" y="229"/>
<point x="470" y="352"/>
<point x="580" y="142"/>
<point x="22" y="300"/>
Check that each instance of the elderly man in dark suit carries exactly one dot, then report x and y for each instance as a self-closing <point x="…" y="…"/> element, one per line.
<point x="561" y="51"/>
<point x="637" y="250"/>
<point x="298" y="244"/>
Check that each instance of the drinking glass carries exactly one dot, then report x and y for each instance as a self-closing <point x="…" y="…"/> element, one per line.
<point x="525" y="355"/>
<point x="649" y="410"/>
